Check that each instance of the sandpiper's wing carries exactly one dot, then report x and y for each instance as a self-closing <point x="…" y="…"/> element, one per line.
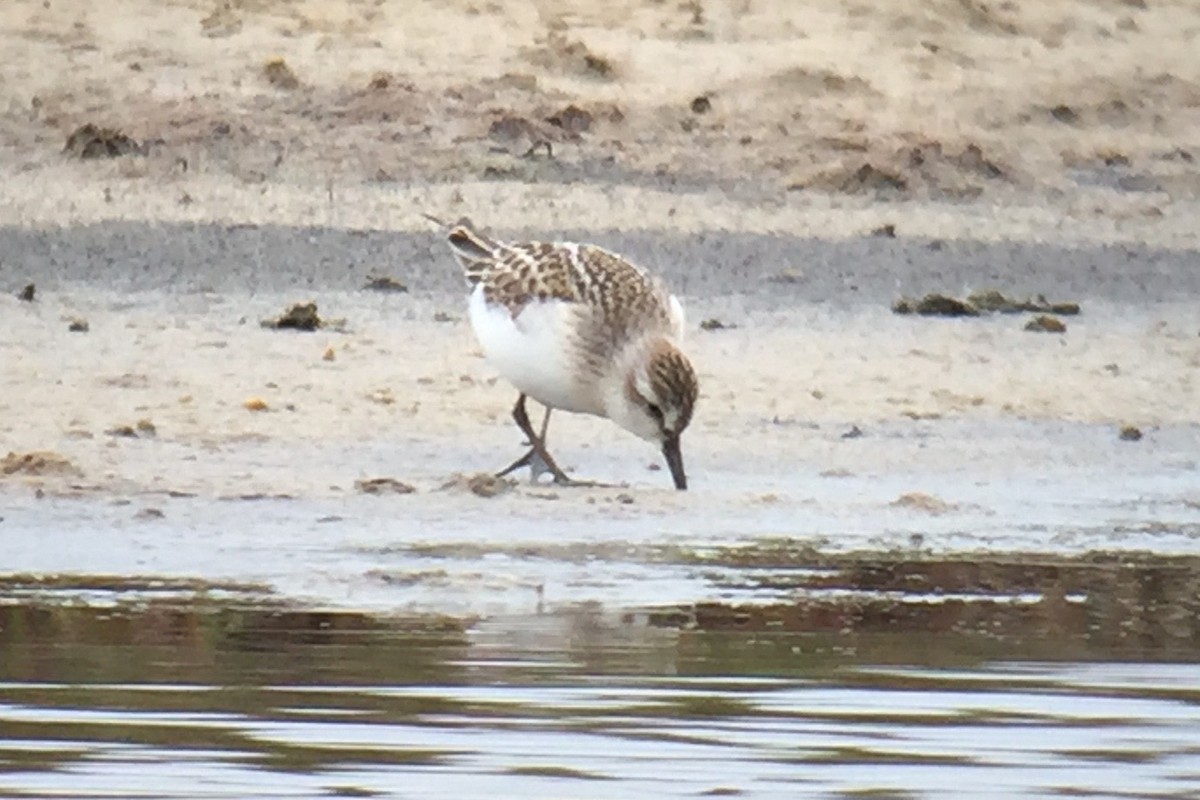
<point x="618" y="296"/>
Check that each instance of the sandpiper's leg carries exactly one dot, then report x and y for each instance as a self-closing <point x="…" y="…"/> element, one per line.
<point x="537" y="466"/>
<point x="538" y="458"/>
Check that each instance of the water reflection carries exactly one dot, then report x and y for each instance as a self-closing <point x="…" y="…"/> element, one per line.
<point x="878" y="682"/>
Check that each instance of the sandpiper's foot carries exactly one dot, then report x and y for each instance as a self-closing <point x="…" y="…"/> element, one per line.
<point x="579" y="484"/>
<point x="538" y="458"/>
<point x="537" y="465"/>
<point x="540" y="465"/>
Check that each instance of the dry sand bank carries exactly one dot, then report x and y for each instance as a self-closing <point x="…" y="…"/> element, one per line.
<point x="1068" y="118"/>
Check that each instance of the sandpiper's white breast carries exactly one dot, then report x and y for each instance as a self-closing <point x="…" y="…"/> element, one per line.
<point x="532" y="351"/>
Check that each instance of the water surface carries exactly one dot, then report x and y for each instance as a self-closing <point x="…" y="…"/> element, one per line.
<point x="161" y="690"/>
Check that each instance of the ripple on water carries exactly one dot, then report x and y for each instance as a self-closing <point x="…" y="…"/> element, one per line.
<point x="210" y="694"/>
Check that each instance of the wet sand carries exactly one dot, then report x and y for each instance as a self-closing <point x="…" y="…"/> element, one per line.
<point x="824" y="418"/>
<point x="835" y="425"/>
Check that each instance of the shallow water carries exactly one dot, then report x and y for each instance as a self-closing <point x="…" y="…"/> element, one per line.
<point x="173" y="691"/>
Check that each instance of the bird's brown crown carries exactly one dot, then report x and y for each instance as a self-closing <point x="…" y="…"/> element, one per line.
<point x="674" y="386"/>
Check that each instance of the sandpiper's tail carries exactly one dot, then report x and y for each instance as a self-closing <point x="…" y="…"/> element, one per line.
<point x="474" y="251"/>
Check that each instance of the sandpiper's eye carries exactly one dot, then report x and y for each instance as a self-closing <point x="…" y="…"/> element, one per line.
<point x="655" y="412"/>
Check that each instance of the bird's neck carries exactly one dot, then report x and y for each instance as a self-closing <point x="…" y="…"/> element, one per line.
<point x="626" y="389"/>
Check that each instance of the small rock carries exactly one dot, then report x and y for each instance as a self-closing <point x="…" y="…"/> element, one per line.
<point x="1130" y="433"/>
<point x="1065" y="114"/>
<point x="279" y="74"/>
<point x="91" y="141"/>
<point x="38" y="462"/>
<point x="383" y="397"/>
<point x="384" y="283"/>
<point x="149" y="513"/>
<point x="329" y="354"/>
<point x="1044" y="323"/>
<point x="996" y="301"/>
<point x="572" y="119"/>
<point x="935" y="305"/>
<point x="887" y="231"/>
<point x="598" y="66"/>
<point x="715" y="324"/>
<point x="255" y="404"/>
<point x="383" y="486"/>
<point x="486" y="484"/>
<point x="985" y="301"/>
<point x="624" y="499"/>
<point x="787" y="276"/>
<point x="920" y="501"/>
<point x="300" y="317"/>
<point x="836" y="473"/>
<point x="854" y="432"/>
<point x="78" y="325"/>
<point x="442" y="316"/>
<point x="26" y="294"/>
<point x="126" y="431"/>
<point x="701" y="104"/>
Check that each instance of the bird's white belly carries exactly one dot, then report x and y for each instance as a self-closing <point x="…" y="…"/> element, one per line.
<point x="531" y="352"/>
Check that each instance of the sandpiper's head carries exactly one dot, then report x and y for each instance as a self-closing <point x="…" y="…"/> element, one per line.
<point x="660" y="393"/>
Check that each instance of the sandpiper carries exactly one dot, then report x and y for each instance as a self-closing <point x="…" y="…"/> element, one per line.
<point x="579" y="328"/>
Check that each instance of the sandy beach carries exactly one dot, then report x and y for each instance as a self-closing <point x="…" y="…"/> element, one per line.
<point x="790" y="171"/>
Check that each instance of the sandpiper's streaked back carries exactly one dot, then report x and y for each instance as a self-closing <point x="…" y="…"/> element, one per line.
<point x="579" y="328"/>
